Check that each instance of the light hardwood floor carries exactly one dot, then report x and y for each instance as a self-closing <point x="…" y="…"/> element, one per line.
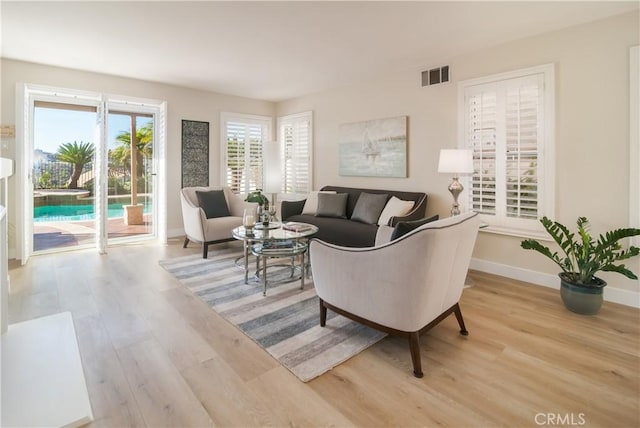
<point x="154" y="355"/>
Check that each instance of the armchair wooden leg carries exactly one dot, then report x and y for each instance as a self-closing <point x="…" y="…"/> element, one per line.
<point x="186" y="242"/>
<point x="205" y="250"/>
<point x="414" y="346"/>
<point x="458" y="312"/>
<point x="323" y="313"/>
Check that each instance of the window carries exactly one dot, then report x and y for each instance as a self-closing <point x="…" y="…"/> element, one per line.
<point x="243" y="136"/>
<point x="295" y="135"/>
<point x="507" y="120"/>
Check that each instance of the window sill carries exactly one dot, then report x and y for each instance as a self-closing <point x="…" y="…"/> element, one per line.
<point x="518" y="233"/>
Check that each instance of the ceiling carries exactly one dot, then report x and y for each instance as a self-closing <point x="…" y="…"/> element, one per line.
<point x="273" y="50"/>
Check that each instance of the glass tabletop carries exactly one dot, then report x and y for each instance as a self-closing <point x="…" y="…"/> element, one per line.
<point x="301" y="230"/>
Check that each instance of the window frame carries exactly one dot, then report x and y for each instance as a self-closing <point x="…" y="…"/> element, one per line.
<point x="546" y="153"/>
<point x="634" y="140"/>
<point x="266" y="123"/>
<point x="293" y="118"/>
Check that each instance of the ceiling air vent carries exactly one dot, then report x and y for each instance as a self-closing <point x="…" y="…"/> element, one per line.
<point x="435" y="76"/>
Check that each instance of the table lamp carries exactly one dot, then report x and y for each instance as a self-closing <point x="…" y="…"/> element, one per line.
<point x="455" y="161"/>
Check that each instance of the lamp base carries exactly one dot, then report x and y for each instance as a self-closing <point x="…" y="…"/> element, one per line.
<point x="273" y="210"/>
<point x="455" y="188"/>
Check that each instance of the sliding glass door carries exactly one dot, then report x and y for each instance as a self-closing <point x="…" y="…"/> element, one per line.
<point x="63" y="176"/>
<point x="130" y="181"/>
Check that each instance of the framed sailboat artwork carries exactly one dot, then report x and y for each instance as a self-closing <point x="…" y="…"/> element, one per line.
<point x="374" y="148"/>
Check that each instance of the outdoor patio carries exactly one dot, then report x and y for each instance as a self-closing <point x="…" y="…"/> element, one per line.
<point x="60" y="234"/>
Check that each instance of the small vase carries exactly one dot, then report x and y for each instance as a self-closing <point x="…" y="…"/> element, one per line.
<point x="581" y="299"/>
<point x="249" y="220"/>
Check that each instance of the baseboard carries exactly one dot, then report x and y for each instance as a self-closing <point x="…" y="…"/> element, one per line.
<point x="175" y="233"/>
<point x="611" y="294"/>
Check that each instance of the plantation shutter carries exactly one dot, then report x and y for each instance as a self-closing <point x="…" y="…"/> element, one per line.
<point x="481" y="137"/>
<point x="243" y="166"/>
<point x="296" y="139"/>
<point x="236" y="138"/>
<point x="503" y="127"/>
<point x="522" y="122"/>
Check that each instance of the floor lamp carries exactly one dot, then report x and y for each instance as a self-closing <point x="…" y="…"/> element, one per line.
<point x="272" y="172"/>
<point x="455" y="161"/>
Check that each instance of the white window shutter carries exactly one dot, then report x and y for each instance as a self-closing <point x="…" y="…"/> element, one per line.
<point x="235" y="165"/>
<point x="522" y="139"/>
<point x="295" y="133"/>
<point x="481" y="137"/>
<point x="504" y="123"/>
<point x="243" y="137"/>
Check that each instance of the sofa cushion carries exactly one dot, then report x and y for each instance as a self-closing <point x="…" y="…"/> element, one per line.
<point x="355" y="192"/>
<point x="369" y="207"/>
<point x="396" y="207"/>
<point x="311" y="204"/>
<point x="339" y="231"/>
<point x="213" y="203"/>
<point x="332" y="205"/>
<point x="404" y="227"/>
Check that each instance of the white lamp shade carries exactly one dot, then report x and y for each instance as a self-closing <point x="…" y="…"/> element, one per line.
<point x="272" y="167"/>
<point x="456" y="161"/>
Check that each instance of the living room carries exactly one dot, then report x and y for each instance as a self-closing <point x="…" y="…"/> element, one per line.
<point x="592" y="163"/>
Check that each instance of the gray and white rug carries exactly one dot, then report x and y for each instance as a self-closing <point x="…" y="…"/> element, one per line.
<point x="286" y="323"/>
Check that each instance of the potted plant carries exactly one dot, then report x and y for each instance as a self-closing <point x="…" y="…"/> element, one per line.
<point x="263" y="205"/>
<point x="580" y="289"/>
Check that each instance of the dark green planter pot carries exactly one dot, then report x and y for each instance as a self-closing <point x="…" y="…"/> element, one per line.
<point x="580" y="299"/>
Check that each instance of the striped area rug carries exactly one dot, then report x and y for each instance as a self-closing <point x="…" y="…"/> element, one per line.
<point x="286" y="323"/>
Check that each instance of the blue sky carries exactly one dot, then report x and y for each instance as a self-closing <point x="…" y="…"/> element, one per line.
<point x="53" y="127"/>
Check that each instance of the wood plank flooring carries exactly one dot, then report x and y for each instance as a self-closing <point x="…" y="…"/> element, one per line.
<point x="154" y="355"/>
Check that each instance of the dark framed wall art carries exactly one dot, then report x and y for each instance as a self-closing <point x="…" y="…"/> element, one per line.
<point x="195" y="153"/>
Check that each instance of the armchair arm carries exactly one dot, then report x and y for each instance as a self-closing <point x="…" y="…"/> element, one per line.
<point x="192" y="219"/>
<point x="416" y="213"/>
<point x="237" y="205"/>
<point x="291" y="208"/>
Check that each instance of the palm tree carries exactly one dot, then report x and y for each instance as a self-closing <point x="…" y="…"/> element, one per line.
<point x="78" y="154"/>
<point x="121" y="155"/>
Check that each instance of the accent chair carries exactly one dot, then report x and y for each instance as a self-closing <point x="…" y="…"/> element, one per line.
<point x="403" y="287"/>
<point x="206" y="218"/>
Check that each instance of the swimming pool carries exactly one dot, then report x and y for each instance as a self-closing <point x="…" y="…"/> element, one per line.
<point x="77" y="212"/>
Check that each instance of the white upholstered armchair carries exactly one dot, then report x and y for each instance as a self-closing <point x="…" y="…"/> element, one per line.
<point x="198" y="228"/>
<point x="403" y="287"/>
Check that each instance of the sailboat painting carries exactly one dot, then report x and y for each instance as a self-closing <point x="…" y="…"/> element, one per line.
<point x="374" y="148"/>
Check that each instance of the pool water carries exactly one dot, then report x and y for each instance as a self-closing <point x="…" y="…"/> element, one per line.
<point x="77" y="212"/>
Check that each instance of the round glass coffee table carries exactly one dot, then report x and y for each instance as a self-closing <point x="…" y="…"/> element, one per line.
<point x="288" y="240"/>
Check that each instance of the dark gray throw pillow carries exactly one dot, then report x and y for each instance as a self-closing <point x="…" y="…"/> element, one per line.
<point x="404" y="227"/>
<point x="332" y="205"/>
<point x="213" y="203"/>
<point x="369" y="207"/>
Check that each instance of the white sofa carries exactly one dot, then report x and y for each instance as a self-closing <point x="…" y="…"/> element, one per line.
<point x="206" y="231"/>
<point x="403" y="287"/>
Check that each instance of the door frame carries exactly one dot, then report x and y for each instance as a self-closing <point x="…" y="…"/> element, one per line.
<point x="26" y="95"/>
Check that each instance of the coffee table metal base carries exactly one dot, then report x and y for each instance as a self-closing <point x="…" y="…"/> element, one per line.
<point x="263" y="255"/>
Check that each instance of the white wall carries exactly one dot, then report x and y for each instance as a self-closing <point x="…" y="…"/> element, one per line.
<point x="592" y="129"/>
<point x="182" y="104"/>
<point x="592" y="125"/>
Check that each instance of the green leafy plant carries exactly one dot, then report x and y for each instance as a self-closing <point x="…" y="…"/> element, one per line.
<point x="257" y="196"/>
<point x="584" y="256"/>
